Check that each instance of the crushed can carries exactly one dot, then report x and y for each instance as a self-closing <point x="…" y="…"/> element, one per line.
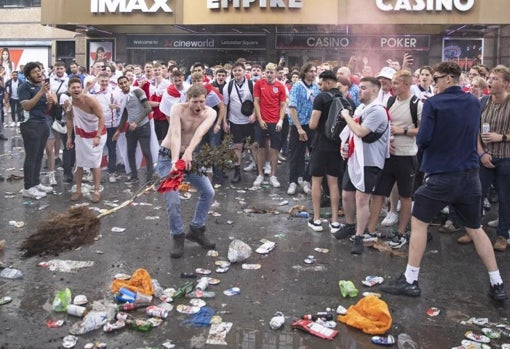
<point x="157" y="312"/>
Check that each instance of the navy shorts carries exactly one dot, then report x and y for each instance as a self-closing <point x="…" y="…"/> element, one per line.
<point x="274" y="137"/>
<point x="462" y="190"/>
<point x="371" y="176"/>
<point x="242" y="133"/>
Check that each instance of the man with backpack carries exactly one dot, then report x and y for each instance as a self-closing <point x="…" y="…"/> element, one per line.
<point x="367" y="136"/>
<point x="405" y="112"/>
<point x="325" y="159"/>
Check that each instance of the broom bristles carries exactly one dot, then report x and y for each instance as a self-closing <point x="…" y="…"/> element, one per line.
<point x="74" y="228"/>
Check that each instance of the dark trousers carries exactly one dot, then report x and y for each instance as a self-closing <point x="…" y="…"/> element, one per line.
<point x="297" y="153"/>
<point x="111" y="145"/>
<point x="16" y="110"/>
<point x="68" y="156"/>
<point x="142" y="135"/>
<point x="35" y="134"/>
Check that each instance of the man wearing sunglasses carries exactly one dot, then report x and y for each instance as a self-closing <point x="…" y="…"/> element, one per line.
<point x="448" y="135"/>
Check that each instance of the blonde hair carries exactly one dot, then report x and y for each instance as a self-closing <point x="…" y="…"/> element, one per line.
<point x="271" y="66"/>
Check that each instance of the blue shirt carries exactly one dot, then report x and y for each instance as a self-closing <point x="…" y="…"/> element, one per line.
<point x="301" y="97"/>
<point x="354" y="94"/>
<point x="449" y="131"/>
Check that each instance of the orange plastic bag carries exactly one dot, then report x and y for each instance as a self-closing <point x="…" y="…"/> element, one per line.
<point x="140" y="282"/>
<point x="370" y="314"/>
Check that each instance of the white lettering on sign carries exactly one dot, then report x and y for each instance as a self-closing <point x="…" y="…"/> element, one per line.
<point x="217" y="4"/>
<point x="393" y="42"/>
<point x="128" y="6"/>
<point x="425" y="5"/>
<point x="327" y="42"/>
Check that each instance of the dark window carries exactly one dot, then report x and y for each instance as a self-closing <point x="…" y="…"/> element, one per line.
<point x="19" y="3"/>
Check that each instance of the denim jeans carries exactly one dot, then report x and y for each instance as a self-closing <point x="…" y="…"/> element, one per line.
<point x="500" y="176"/>
<point x="173" y="202"/>
<point x="142" y="135"/>
<point x="34" y="134"/>
<point x="111" y="145"/>
<point x="297" y="152"/>
<point x="16" y="112"/>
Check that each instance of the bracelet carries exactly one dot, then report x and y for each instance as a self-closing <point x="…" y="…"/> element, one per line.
<point x="482" y="154"/>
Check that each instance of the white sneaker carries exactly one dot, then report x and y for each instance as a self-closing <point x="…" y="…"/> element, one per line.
<point x="251" y="167"/>
<point x="258" y="181"/>
<point x="267" y="169"/>
<point x="112" y="178"/>
<point x="274" y="182"/>
<point x="306" y="187"/>
<point x="390" y="219"/>
<point x="33" y="193"/>
<point x="51" y="178"/>
<point x="43" y="188"/>
<point x="292" y="188"/>
<point x="300" y="180"/>
<point x="494" y="223"/>
<point x="399" y="205"/>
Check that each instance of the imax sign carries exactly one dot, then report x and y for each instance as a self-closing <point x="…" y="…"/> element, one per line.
<point x="129" y="6"/>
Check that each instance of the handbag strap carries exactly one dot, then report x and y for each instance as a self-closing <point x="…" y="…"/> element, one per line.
<point x="237" y="90"/>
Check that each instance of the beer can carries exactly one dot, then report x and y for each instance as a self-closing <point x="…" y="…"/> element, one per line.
<point x="157" y="312"/>
<point x="76" y="310"/>
<point x="486" y="128"/>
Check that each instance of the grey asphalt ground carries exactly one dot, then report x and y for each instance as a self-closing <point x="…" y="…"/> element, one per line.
<point x="452" y="277"/>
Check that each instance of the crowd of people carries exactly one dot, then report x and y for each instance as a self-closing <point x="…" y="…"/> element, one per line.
<point x="415" y="141"/>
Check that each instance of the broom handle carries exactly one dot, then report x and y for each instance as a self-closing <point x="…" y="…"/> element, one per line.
<point x="125" y="203"/>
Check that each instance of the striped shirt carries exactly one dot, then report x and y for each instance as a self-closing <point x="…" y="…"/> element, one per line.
<point x="497" y="115"/>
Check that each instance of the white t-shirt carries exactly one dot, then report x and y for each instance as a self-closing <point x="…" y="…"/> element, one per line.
<point x="234" y="114"/>
<point x="400" y="113"/>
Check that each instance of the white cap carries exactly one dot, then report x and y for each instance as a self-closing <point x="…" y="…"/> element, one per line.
<point x="386" y="72"/>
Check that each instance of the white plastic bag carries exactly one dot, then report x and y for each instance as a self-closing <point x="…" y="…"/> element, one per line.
<point x="238" y="251"/>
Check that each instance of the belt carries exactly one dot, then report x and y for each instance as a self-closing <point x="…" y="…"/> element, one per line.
<point x="165" y="152"/>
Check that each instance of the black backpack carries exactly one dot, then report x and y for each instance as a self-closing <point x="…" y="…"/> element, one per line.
<point x="413" y="104"/>
<point x="335" y="123"/>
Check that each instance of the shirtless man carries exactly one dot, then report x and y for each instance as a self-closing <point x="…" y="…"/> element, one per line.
<point x="189" y="122"/>
<point x="86" y="116"/>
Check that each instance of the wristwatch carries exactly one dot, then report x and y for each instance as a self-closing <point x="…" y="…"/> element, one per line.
<point x="405" y="130"/>
<point x="503" y="138"/>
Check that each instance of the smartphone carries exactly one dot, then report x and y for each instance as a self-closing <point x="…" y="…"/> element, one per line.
<point x="47" y="80"/>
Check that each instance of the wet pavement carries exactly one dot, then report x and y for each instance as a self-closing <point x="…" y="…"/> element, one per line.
<point x="452" y="277"/>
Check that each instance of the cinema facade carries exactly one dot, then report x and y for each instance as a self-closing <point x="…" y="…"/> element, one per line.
<point x="219" y="31"/>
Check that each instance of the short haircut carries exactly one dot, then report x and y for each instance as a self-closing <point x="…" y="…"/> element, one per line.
<point x="197" y="76"/>
<point x="405" y="76"/>
<point x="220" y="70"/>
<point x="29" y="67"/>
<point x="480" y="81"/>
<point x="238" y="64"/>
<point x="103" y="74"/>
<point x="371" y="80"/>
<point x="427" y="67"/>
<point x="449" y="68"/>
<point x="503" y="70"/>
<point x="176" y="73"/>
<point x="74" y="80"/>
<point x="271" y="66"/>
<point x="59" y="64"/>
<point x="327" y="75"/>
<point x="344" y="81"/>
<point x="122" y="77"/>
<point x="256" y="66"/>
<point x="196" y="91"/>
<point x="198" y="64"/>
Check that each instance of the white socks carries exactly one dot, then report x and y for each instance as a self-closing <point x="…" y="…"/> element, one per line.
<point x="412" y="273"/>
<point x="495" y="277"/>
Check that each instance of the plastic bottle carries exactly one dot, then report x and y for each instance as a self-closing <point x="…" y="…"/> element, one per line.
<point x="10" y="273"/>
<point x="406" y="342"/>
<point x="158" y="290"/>
<point x="92" y="321"/>
<point x="303" y="214"/>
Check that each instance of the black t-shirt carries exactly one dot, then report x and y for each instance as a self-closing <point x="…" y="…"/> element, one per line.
<point x="322" y="103"/>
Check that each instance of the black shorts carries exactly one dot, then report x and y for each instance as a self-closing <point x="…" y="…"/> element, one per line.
<point x="462" y="190"/>
<point x="326" y="162"/>
<point x="371" y="176"/>
<point x="274" y="137"/>
<point x="400" y="169"/>
<point x="242" y="133"/>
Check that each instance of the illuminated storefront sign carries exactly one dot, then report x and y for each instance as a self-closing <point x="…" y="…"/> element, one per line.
<point x="198" y="42"/>
<point x="289" y="41"/>
<point x="129" y="6"/>
<point x="217" y="4"/>
<point x="425" y="5"/>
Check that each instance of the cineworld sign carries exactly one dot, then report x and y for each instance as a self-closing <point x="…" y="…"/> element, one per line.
<point x="425" y="5"/>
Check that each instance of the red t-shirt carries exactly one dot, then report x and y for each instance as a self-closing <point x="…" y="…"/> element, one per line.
<point x="271" y="95"/>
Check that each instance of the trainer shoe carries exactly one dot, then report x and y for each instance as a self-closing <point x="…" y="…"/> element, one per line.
<point x="448" y="227"/>
<point x="51" y="178"/>
<point x="497" y="292"/>
<point x="258" y="181"/>
<point x="500" y="244"/>
<point x="274" y="182"/>
<point x="345" y="231"/>
<point x="33" y="193"/>
<point x="315" y="225"/>
<point x="398" y="241"/>
<point x="251" y="167"/>
<point x="401" y="287"/>
<point x="390" y="219"/>
<point x="367" y="237"/>
<point x="494" y="223"/>
<point x="334" y="227"/>
<point x="292" y="188"/>
<point x="281" y="157"/>
<point x="112" y="178"/>
<point x="465" y="239"/>
<point x="44" y="188"/>
<point x="357" y="247"/>
<point x="132" y="181"/>
<point x="307" y="189"/>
